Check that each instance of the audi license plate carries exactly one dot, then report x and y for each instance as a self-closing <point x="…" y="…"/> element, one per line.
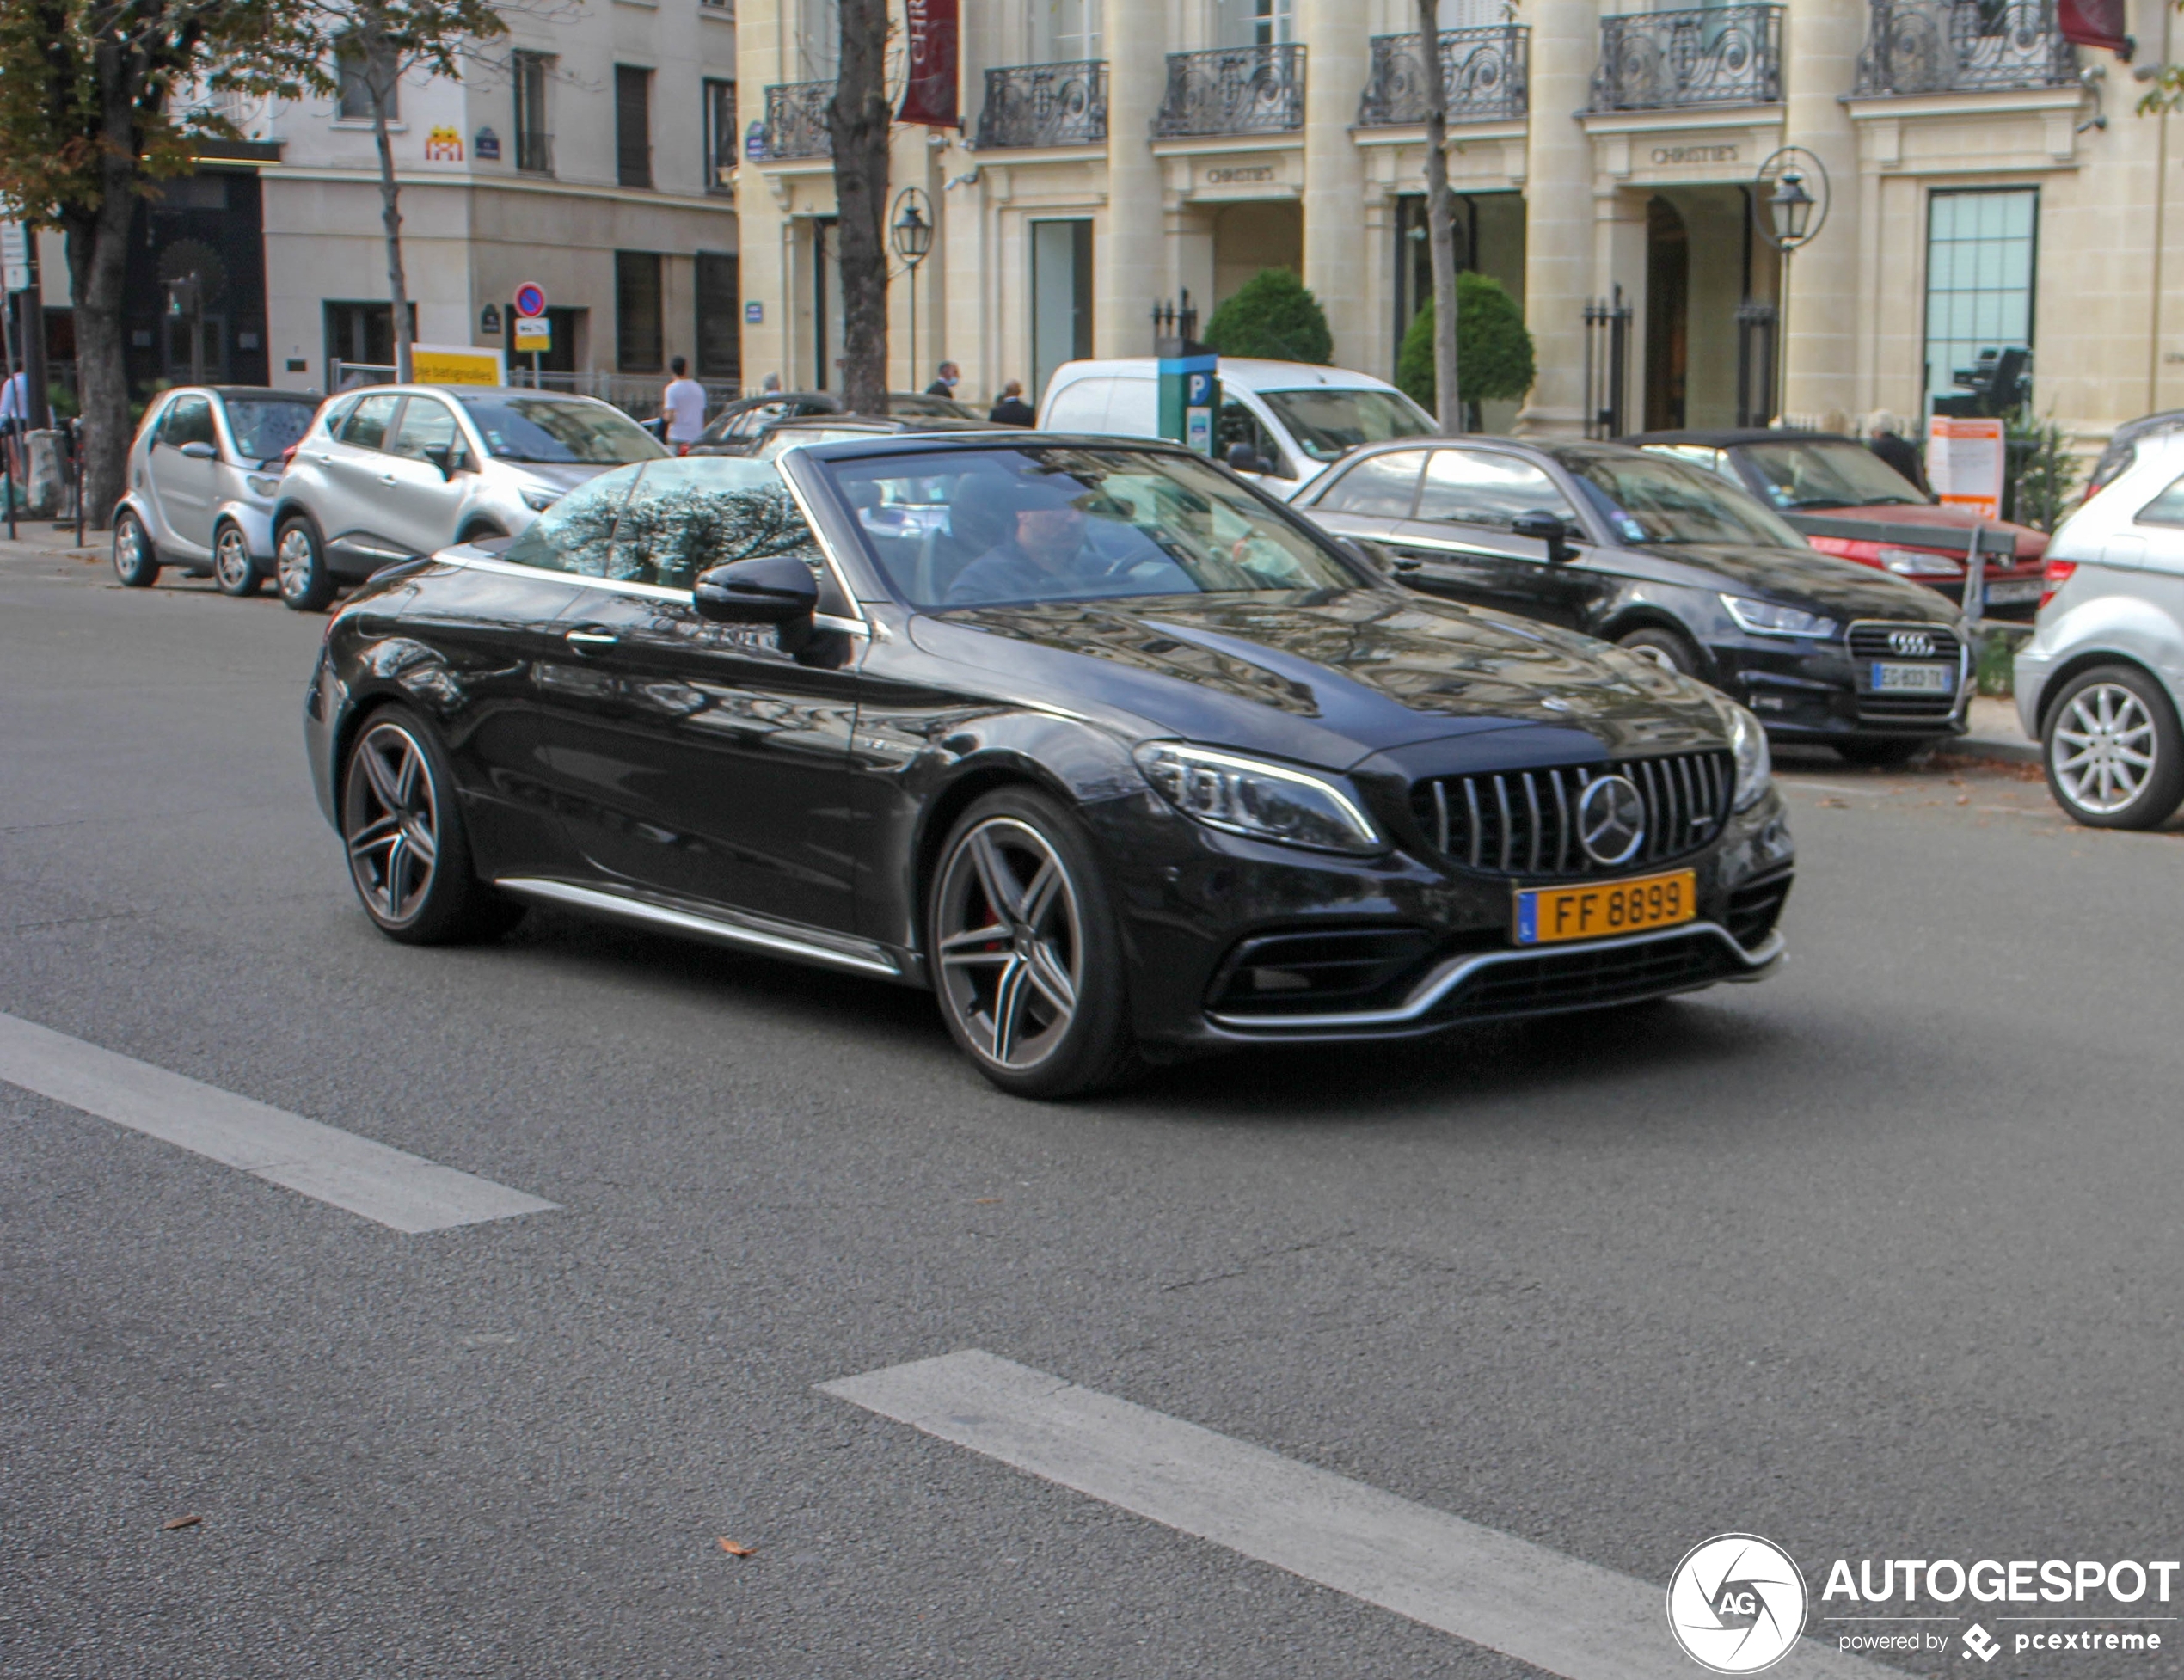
<point x="1548" y="915"/>
<point x="2017" y="589"/>
<point x="1914" y="679"/>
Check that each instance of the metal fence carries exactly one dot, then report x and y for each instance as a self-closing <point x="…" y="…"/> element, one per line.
<point x="1044" y="105"/>
<point x="1926" y="46"/>
<point x="1234" y="91"/>
<point x="1485" y="71"/>
<point x="1712" y="55"/>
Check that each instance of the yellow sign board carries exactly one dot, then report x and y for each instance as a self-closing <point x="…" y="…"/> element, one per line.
<point x="534" y="332"/>
<point x="456" y="364"/>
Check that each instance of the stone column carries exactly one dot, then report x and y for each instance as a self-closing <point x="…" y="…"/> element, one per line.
<point x="1558" y="212"/>
<point x="1337" y="58"/>
<point x="1128" y="265"/>
<point x="1820" y="46"/>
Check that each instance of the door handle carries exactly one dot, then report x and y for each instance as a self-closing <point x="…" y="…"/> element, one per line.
<point x="387" y="478"/>
<point x="584" y="640"/>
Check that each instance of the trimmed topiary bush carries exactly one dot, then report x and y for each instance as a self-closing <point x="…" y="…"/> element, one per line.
<point x="1273" y="316"/>
<point x="1494" y="352"/>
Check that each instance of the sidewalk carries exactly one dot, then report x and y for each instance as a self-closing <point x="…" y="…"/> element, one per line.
<point x="1995" y="734"/>
<point x="38" y="539"/>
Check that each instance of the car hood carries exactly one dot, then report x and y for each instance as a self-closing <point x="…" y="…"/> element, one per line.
<point x="2031" y="544"/>
<point x="1329" y="679"/>
<point x="555" y="475"/>
<point x="1838" y="589"/>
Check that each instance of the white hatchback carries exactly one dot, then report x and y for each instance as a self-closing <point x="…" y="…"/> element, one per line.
<point x="2099" y="684"/>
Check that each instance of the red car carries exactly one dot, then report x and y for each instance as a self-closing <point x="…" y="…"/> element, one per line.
<point x="1816" y="480"/>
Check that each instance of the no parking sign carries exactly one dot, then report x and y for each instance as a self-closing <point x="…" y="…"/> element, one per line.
<point x="531" y="299"/>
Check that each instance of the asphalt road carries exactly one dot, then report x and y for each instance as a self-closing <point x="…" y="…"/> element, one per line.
<point x="1879" y="1259"/>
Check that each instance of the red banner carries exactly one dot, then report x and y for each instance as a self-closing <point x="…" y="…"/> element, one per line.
<point x="928" y="96"/>
<point x="2094" y="23"/>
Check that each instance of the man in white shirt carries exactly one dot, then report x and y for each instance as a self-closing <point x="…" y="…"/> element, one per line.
<point x="683" y="403"/>
<point x="15" y="413"/>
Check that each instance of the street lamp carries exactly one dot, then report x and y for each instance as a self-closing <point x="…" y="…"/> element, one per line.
<point x="1792" y="209"/>
<point x="1794" y="219"/>
<point x="911" y="235"/>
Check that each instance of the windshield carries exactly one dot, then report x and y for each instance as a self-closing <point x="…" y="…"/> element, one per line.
<point x="797" y="437"/>
<point x="1647" y="499"/>
<point x="1020" y="526"/>
<point x="556" y="432"/>
<point x="263" y="426"/>
<point x="1831" y="474"/>
<point x="1328" y="423"/>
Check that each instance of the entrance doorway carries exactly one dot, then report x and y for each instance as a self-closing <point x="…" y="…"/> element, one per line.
<point x="824" y="343"/>
<point x="1705" y="260"/>
<point x="1249" y="237"/>
<point x="1668" y="315"/>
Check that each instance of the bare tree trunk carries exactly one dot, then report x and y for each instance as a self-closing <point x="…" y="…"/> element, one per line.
<point x="1439" y="224"/>
<point x="98" y="262"/>
<point x="858" y="121"/>
<point x="381" y="74"/>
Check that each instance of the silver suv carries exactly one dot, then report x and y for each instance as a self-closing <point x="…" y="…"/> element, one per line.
<point x="2099" y="684"/>
<point x="393" y="471"/>
<point x="202" y="474"/>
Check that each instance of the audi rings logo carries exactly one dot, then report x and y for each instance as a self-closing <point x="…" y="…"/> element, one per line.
<point x="1610" y="819"/>
<point x="1911" y="644"/>
<point x="1736" y="1603"/>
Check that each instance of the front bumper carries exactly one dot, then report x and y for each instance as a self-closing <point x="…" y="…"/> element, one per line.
<point x="1807" y="692"/>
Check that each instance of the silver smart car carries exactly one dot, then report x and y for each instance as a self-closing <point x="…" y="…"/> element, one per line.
<point x="393" y="471"/>
<point x="2099" y="682"/>
<point x="202" y="474"/>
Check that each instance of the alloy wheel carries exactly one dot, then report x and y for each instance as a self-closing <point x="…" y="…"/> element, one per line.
<point x="390" y="819"/>
<point x="2104" y="748"/>
<point x="1009" y="944"/>
<point x="231" y="567"/>
<point x="293" y="562"/>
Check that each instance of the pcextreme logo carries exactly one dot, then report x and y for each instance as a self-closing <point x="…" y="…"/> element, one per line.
<point x="1736" y="1603"/>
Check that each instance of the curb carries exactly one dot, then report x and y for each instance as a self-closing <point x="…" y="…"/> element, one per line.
<point x="1994" y="749"/>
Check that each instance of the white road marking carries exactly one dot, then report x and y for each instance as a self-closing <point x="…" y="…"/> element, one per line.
<point x="1556" y="1613"/>
<point x="389" y="1186"/>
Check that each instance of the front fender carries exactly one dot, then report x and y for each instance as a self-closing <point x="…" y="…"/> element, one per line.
<point x="2129" y="626"/>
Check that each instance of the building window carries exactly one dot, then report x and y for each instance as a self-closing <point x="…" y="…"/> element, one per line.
<point x="819" y="39"/>
<point x="636" y="311"/>
<point x="721" y="153"/>
<point x="1980" y="247"/>
<point x="632" y="126"/>
<point x="354" y="93"/>
<point x="1064" y="31"/>
<point x="534" y="140"/>
<point x="1254" y="22"/>
<point x="1061" y="297"/>
<point x="719" y="311"/>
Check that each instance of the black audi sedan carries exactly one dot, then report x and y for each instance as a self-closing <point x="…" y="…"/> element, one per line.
<point x="1671" y="563"/>
<point x="1113" y="752"/>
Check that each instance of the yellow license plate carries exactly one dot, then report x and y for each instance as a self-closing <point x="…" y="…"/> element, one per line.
<point x="1547" y="915"/>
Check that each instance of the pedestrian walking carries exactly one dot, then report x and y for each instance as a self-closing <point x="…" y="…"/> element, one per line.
<point x="772" y="384"/>
<point x="14" y="415"/>
<point x="682" y="405"/>
<point x="945" y="378"/>
<point x="1885" y="437"/>
<point x="1010" y="408"/>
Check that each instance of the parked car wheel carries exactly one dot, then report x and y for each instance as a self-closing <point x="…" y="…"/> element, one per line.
<point x="1027" y="958"/>
<point x="299" y="565"/>
<point x="1670" y="649"/>
<point x="2113" y="751"/>
<point x="233" y="569"/>
<point x="136" y="562"/>
<point x="1884" y="754"/>
<point x="409" y="858"/>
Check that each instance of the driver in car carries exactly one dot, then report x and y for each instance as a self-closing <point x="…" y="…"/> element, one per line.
<point x="1048" y="551"/>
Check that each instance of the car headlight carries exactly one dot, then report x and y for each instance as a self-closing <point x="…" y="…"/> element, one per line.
<point x="1918" y="563"/>
<point x="1765" y="618"/>
<point x="538" y="498"/>
<point x="1748" y="744"/>
<point x="1241" y="795"/>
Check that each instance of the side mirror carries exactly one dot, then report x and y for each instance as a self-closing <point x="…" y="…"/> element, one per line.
<point x="774" y="589"/>
<point x="201" y="451"/>
<point x="1541" y="526"/>
<point x="1243" y="458"/>
<point x="443" y="456"/>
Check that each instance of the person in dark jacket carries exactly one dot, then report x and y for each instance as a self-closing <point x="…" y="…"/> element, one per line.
<point x="1885" y="437"/>
<point x="1010" y="408"/>
<point x="944" y="380"/>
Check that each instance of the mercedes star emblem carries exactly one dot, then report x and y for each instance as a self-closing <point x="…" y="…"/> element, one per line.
<point x="1610" y="819"/>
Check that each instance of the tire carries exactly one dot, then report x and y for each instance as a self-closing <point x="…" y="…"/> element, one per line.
<point x="1671" y="649"/>
<point x="1881" y="753"/>
<point x="477" y="532"/>
<point x="401" y="826"/>
<point x="1052" y="992"/>
<point x="233" y="570"/>
<point x="2112" y="750"/>
<point x="136" y="561"/>
<point x="306" y="581"/>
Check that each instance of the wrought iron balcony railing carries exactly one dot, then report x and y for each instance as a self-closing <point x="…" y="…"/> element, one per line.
<point x="534" y="152"/>
<point x="796" y="120"/>
<point x="1233" y="90"/>
<point x="1483" y="69"/>
<point x="1714" y="55"/>
<point x="1932" y="46"/>
<point x="1045" y="105"/>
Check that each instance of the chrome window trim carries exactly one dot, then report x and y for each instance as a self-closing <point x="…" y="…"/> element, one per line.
<point x="1450" y="975"/>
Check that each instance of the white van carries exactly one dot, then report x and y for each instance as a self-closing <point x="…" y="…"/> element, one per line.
<point x="1281" y="423"/>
